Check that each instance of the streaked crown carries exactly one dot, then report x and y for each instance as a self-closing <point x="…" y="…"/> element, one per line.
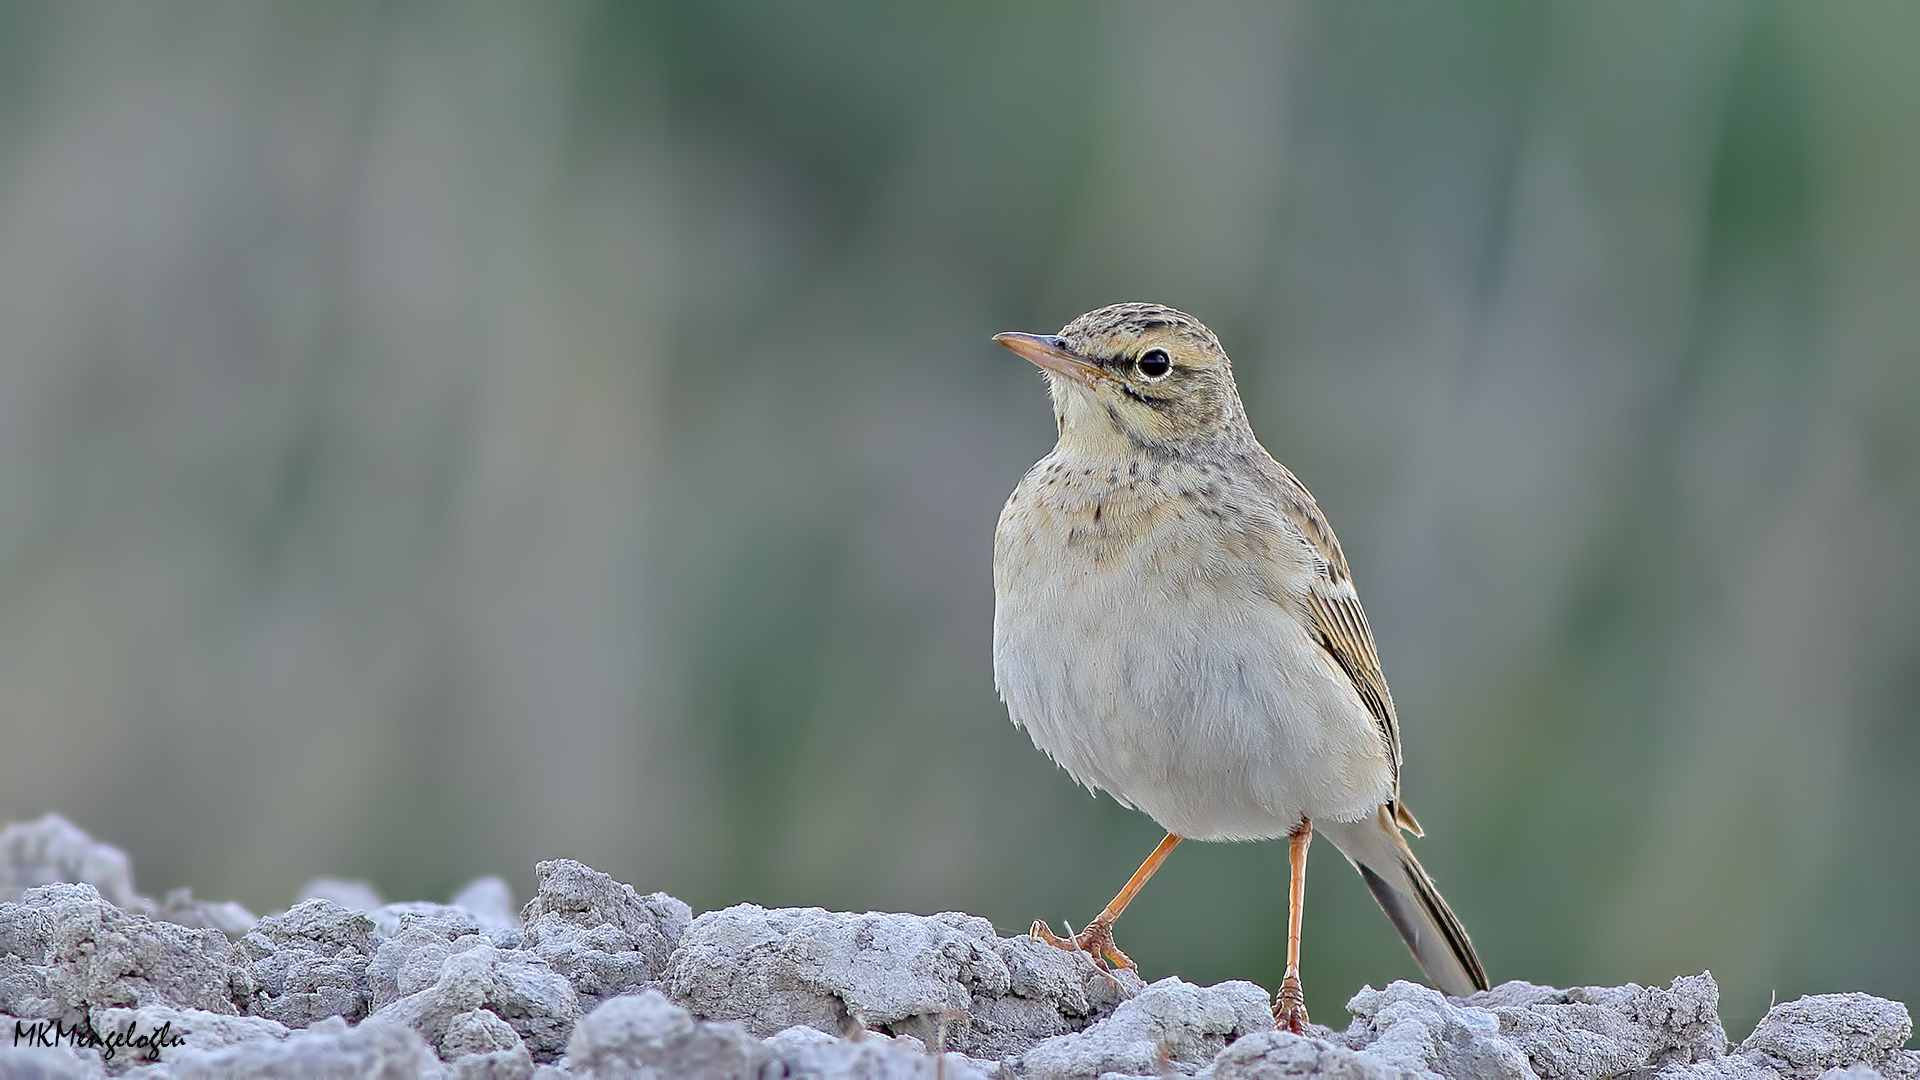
<point x="1157" y="375"/>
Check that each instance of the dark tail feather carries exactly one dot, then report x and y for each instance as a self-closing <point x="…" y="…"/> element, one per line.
<point x="1439" y="943"/>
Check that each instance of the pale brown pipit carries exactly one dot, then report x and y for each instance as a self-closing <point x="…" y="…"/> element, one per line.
<point x="1174" y="624"/>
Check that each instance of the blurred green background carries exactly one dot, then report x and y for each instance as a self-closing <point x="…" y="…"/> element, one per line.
<point x="439" y="437"/>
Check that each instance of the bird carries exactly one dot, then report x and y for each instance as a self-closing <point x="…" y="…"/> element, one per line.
<point x="1175" y="624"/>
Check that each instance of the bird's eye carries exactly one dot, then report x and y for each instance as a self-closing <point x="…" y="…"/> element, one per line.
<point x="1154" y="365"/>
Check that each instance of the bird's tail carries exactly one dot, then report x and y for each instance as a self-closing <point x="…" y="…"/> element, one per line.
<point x="1375" y="848"/>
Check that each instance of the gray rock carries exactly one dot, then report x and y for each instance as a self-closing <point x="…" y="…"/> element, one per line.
<point x="482" y="1046"/>
<point x="36" y="853"/>
<point x="26" y="950"/>
<point x="310" y="962"/>
<point x="1731" y="1067"/>
<point x="329" y="1050"/>
<point x="319" y="926"/>
<point x="446" y="920"/>
<point x="490" y="901"/>
<point x="67" y="950"/>
<point x="1806" y="1037"/>
<point x="42" y="1063"/>
<point x="1596" y="1031"/>
<point x="809" y="1054"/>
<point x="302" y="988"/>
<point x="418" y="939"/>
<point x="1171" y="1025"/>
<point x="1418" y="1030"/>
<point x="833" y="994"/>
<point x="645" y="1035"/>
<point x="514" y="985"/>
<point x="409" y="962"/>
<point x="1520" y="1030"/>
<point x="945" y="979"/>
<point x="1048" y="993"/>
<point x="604" y="936"/>
<point x="1278" y="1055"/>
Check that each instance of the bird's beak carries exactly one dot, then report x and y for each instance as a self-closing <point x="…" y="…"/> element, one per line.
<point x="1049" y="353"/>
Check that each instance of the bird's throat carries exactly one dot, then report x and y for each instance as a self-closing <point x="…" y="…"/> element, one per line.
<point x="1092" y="429"/>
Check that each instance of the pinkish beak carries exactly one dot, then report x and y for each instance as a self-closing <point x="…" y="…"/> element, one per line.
<point x="1050" y="354"/>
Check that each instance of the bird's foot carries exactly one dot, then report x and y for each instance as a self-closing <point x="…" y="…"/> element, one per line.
<point x="1290" y="1005"/>
<point x="1096" y="941"/>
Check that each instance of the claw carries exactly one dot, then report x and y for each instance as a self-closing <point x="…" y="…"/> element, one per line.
<point x="1096" y="941"/>
<point x="1290" y="1006"/>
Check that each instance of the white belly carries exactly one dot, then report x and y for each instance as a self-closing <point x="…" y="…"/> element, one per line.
<point x="1165" y="674"/>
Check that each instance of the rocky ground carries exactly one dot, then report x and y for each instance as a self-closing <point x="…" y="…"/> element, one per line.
<point x="595" y="979"/>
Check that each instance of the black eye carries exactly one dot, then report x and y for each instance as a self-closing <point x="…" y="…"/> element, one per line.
<point x="1154" y="364"/>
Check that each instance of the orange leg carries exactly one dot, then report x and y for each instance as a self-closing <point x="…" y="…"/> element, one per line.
<point x="1290" y="1004"/>
<point x="1097" y="939"/>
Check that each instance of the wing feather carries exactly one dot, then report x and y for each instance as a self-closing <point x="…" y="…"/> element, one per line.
<point x="1338" y="622"/>
<point x="1340" y="626"/>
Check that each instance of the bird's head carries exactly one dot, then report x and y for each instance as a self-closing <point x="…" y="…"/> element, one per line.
<point x="1152" y="376"/>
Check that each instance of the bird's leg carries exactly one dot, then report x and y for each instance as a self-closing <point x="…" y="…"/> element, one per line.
<point x="1097" y="939"/>
<point x="1290" y="1004"/>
